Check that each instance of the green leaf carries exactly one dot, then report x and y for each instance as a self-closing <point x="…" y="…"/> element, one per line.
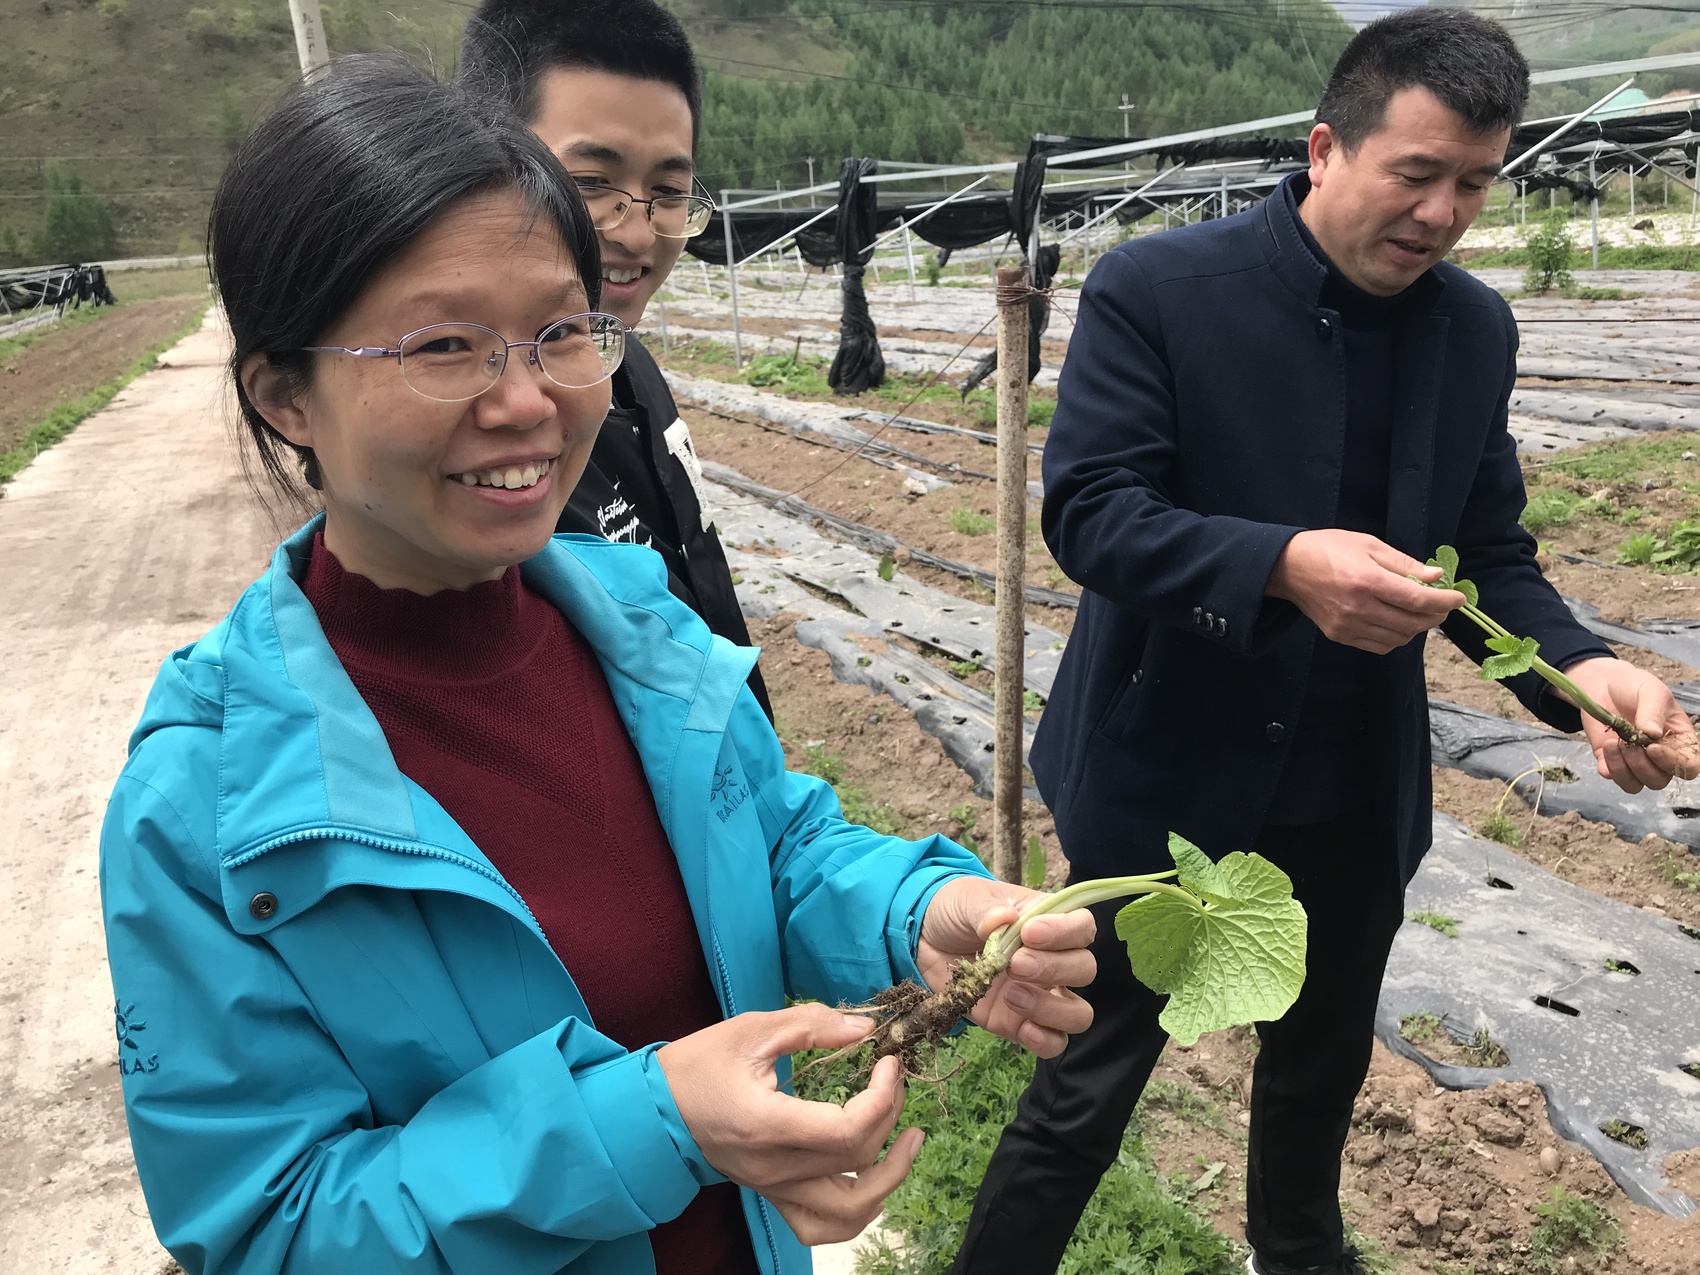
<point x="887" y="567"/>
<point x="1446" y="558"/>
<point x="1516" y="655"/>
<point x="1033" y="871"/>
<point x="1469" y="591"/>
<point x="1235" y="957"/>
<point x="1198" y="872"/>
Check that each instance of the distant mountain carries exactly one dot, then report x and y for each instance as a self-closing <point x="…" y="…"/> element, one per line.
<point x="143" y="99"/>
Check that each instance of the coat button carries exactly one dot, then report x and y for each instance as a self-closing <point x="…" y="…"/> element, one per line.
<point x="1138" y="676"/>
<point x="1276" y="732"/>
<point x="263" y="906"/>
<point x="1198" y="615"/>
<point x="1324" y="329"/>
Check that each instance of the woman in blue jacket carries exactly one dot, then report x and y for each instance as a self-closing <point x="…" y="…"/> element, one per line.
<point x="455" y="884"/>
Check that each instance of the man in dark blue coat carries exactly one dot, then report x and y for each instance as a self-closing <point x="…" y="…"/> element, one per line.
<point x="1265" y="425"/>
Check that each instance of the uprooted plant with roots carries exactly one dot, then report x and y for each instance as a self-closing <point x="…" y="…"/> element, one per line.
<point x="1513" y="655"/>
<point x="1225" y="941"/>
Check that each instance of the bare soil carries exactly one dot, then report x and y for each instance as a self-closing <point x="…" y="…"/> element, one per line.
<point x="1446" y="1182"/>
<point x="68" y="364"/>
<point x="856" y="488"/>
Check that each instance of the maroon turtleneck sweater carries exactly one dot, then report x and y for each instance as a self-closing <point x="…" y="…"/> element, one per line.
<point x="497" y="707"/>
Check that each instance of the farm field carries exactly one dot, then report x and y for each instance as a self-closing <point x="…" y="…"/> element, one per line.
<point x="136" y="532"/>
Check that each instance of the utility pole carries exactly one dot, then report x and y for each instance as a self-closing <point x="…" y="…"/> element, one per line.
<point x="1127" y="108"/>
<point x="811" y="163"/>
<point x="310" y="46"/>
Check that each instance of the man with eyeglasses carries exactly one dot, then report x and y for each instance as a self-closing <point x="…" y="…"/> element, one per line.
<point x="613" y="88"/>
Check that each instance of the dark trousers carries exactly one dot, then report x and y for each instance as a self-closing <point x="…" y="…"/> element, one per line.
<point x="1069" y="1124"/>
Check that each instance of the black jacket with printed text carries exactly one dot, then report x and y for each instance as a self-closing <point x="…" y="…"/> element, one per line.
<point x="643" y="486"/>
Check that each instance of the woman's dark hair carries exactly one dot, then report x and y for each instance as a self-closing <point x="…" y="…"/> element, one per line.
<point x="509" y="44"/>
<point x="1467" y="61"/>
<point x="339" y="179"/>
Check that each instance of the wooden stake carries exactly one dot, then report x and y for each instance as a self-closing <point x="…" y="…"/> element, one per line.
<point x="1008" y="676"/>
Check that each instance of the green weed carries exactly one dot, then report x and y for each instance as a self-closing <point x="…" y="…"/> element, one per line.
<point x="1482" y="1050"/>
<point x="964" y="668"/>
<point x="969" y="522"/>
<point x="1032" y="702"/>
<point x="1630" y="1135"/>
<point x="1500" y="827"/>
<point x="1420" y="1028"/>
<point x="1639" y="549"/>
<point x="1553" y="507"/>
<point x="1446" y="925"/>
<point x="1571" y="1225"/>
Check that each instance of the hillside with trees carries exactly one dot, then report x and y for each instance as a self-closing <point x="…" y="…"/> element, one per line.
<point x="117" y="116"/>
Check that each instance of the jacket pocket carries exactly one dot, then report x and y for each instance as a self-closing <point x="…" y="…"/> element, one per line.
<point x="1119" y="711"/>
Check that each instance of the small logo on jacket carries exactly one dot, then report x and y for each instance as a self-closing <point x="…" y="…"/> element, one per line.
<point x="728" y="794"/>
<point x="132" y="1063"/>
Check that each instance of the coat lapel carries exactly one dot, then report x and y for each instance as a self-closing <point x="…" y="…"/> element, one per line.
<point x="1419" y="365"/>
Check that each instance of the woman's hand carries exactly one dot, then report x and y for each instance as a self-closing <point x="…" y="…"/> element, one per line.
<point x="1030" y="1002"/>
<point x="797" y="1154"/>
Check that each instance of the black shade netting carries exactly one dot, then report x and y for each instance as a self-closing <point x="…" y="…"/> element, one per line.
<point x="1038" y="319"/>
<point x="47" y="286"/>
<point x="859" y="365"/>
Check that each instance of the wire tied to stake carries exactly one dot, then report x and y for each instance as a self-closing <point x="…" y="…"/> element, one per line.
<point x="1022" y="293"/>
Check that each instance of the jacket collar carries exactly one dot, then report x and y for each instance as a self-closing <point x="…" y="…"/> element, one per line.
<point x="1301" y="265"/>
<point x="300" y="752"/>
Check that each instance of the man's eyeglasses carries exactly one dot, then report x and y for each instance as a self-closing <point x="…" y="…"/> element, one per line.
<point x="454" y="362"/>
<point x="670" y="216"/>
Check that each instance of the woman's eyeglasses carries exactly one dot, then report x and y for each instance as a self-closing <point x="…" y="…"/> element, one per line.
<point x="454" y="362"/>
<point x="670" y="216"/>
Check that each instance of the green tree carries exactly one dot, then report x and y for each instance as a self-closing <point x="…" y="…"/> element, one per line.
<point x="1549" y="250"/>
<point x="76" y="225"/>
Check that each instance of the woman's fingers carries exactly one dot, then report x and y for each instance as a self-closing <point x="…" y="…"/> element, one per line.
<point x="832" y="1208"/>
<point x="1073" y="968"/>
<point x="1060" y="932"/>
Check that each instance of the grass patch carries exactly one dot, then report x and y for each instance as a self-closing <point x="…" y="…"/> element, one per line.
<point x="1551" y="507"/>
<point x="147" y="285"/>
<point x="1636" y="257"/>
<point x="1421" y="1028"/>
<point x="1137" y="1223"/>
<point x="67" y="416"/>
<point x="1500" y="827"/>
<point x="1630" y="1135"/>
<point x="1571" y="1226"/>
<point x="969" y="522"/>
<point x="1446" y="925"/>
<point x="1621" y="461"/>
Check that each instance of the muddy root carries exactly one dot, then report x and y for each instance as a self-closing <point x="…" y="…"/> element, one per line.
<point x="912" y="1022"/>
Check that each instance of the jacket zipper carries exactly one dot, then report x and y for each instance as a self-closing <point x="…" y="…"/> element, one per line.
<point x="732" y="1012"/>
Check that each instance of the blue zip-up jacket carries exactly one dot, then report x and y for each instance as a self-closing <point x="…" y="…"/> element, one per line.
<point x="346" y="1044"/>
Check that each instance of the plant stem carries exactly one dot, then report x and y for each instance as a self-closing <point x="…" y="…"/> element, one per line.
<point x="1003" y="943"/>
<point x="1577" y="696"/>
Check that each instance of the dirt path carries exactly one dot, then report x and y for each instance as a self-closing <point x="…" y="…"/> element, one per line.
<point x="67" y="364"/>
<point x="126" y="540"/>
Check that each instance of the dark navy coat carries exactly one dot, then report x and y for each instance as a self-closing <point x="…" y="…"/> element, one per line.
<point x="1200" y="425"/>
